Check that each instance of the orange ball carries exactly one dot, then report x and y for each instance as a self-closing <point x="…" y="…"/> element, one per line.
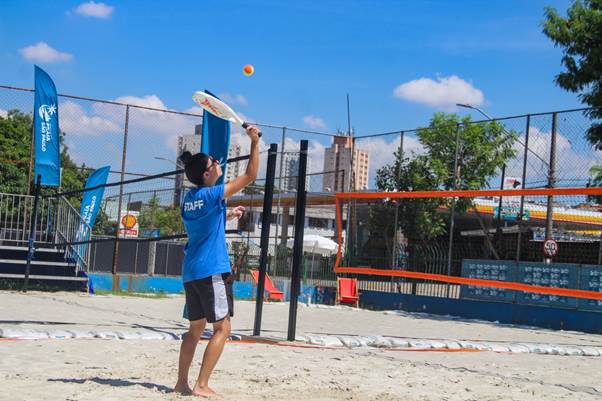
<point x="248" y="70"/>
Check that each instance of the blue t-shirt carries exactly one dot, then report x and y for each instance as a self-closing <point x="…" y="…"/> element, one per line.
<point x="204" y="215"/>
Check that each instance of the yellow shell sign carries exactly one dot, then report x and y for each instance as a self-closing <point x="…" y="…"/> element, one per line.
<point x="128" y="224"/>
<point x="129" y="221"/>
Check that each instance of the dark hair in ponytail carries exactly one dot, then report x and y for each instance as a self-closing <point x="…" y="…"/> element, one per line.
<point x="194" y="166"/>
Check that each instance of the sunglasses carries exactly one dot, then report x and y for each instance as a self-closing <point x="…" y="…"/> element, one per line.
<point x="213" y="162"/>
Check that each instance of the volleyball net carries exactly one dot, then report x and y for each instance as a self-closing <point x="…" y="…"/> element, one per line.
<point x="483" y="242"/>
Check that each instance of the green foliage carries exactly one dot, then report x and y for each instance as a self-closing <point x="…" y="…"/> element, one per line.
<point x="580" y="37"/>
<point x="103" y="225"/>
<point x="15" y="138"/>
<point x="147" y="218"/>
<point x="72" y="176"/>
<point x="483" y="149"/>
<point x="15" y="145"/>
<point x="167" y="219"/>
<point x="170" y="221"/>
<point x="595" y="181"/>
<point x="417" y="218"/>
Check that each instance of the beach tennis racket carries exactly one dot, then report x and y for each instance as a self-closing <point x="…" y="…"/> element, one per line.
<point x="218" y="108"/>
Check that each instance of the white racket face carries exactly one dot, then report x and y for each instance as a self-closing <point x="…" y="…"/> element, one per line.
<point x="216" y="107"/>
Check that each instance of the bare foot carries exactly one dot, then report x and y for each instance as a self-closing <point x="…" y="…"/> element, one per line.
<point x="205" y="392"/>
<point x="182" y="388"/>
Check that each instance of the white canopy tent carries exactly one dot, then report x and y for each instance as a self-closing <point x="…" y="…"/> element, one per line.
<point x="316" y="244"/>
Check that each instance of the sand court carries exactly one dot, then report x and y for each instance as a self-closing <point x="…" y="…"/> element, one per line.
<point x="145" y="367"/>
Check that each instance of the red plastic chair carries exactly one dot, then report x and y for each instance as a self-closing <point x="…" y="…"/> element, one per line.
<point x="273" y="292"/>
<point x="347" y="292"/>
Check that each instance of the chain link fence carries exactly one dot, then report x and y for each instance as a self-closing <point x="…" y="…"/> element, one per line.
<point x="138" y="137"/>
<point x="436" y="235"/>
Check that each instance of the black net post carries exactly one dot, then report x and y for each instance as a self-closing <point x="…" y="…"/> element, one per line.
<point x="551" y="180"/>
<point x="123" y="158"/>
<point x="298" y="242"/>
<point x="32" y="232"/>
<point x="498" y="222"/>
<point x="452" y="213"/>
<point x="523" y="186"/>
<point x="265" y="234"/>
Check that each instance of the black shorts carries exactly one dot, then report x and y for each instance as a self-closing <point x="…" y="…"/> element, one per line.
<point x="209" y="298"/>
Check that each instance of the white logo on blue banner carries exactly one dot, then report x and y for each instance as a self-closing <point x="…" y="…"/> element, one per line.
<point x="46" y="130"/>
<point x="46" y="113"/>
<point x="91" y="202"/>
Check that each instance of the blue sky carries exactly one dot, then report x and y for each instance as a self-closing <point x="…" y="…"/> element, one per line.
<point x="400" y="61"/>
<point x="307" y="55"/>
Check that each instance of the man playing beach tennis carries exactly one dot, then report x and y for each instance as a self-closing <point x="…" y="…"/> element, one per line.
<point x="206" y="270"/>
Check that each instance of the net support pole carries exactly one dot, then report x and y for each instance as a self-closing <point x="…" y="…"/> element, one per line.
<point x="551" y="181"/>
<point x="523" y="185"/>
<point x="32" y="145"/>
<point x="395" y="249"/>
<point x="32" y="232"/>
<point x="453" y="209"/>
<point x="298" y="242"/>
<point x="278" y="223"/>
<point x="265" y="235"/>
<point x="115" y="285"/>
<point x="498" y="222"/>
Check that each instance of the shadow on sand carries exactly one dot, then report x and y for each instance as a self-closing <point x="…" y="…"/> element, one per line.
<point x="116" y="383"/>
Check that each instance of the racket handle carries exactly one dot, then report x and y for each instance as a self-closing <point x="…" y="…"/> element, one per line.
<point x="245" y="125"/>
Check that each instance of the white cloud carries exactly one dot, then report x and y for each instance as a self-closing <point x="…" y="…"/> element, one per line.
<point x="154" y="133"/>
<point x="195" y="110"/>
<point x="316" y="157"/>
<point x="146" y="101"/>
<point x="233" y="99"/>
<point x="89" y="136"/>
<point x="315" y="163"/>
<point x="315" y="153"/>
<point x="381" y="151"/>
<point x="574" y="157"/>
<point x="3" y="113"/>
<point x="314" y="122"/>
<point x="148" y="128"/>
<point x="443" y="93"/>
<point x="240" y="138"/>
<point x="93" y="9"/>
<point x="573" y="161"/>
<point x="75" y="121"/>
<point x="42" y="53"/>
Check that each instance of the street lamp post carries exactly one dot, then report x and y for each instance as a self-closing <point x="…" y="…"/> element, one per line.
<point x="487" y="116"/>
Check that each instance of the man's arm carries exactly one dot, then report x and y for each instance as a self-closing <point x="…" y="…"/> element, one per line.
<point x="250" y="174"/>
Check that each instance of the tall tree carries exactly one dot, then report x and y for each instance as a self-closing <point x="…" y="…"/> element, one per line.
<point x="149" y="212"/>
<point x="15" y="136"/>
<point x="15" y="145"/>
<point x="72" y="176"/>
<point x="580" y="37"/>
<point x="595" y="181"/>
<point x="483" y="150"/>
<point x="167" y="219"/>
